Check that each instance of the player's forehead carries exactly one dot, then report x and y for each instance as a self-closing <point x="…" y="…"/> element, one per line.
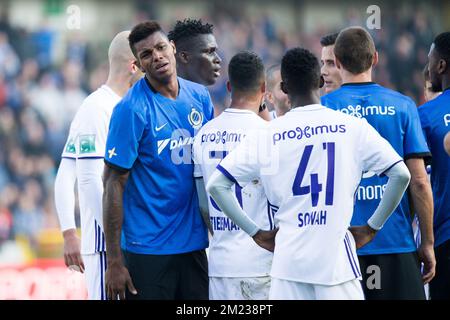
<point x="204" y="41"/>
<point x="153" y="40"/>
<point x="327" y="53"/>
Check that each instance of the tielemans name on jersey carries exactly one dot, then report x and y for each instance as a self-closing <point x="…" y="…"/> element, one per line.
<point x="307" y="132"/>
<point x="223" y="223"/>
<point x="312" y="218"/>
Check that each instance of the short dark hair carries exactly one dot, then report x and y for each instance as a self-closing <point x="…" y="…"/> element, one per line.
<point x="300" y="71"/>
<point x="329" y="39"/>
<point x="246" y="71"/>
<point x="442" y="46"/>
<point x="188" y="29"/>
<point x="142" y="31"/>
<point x="355" y="49"/>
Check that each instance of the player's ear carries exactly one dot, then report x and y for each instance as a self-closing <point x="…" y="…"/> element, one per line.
<point x="228" y="86"/>
<point x="183" y="56"/>
<point x="173" y="46"/>
<point x="284" y="87"/>
<point x="138" y="65"/>
<point x="375" y="59"/>
<point x="441" y="66"/>
<point x="337" y="63"/>
<point x="134" y="66"/>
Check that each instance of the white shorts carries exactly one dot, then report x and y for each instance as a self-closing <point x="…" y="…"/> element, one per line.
<point x="292" y="290"/>
<point x="95" y="267"/>
<point x="256" y="288"/>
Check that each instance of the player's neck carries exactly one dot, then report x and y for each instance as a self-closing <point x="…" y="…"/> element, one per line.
<point x="305" y="100"/>
<point x="119" y="86"/>
<point x="167" y="89"/>
<point x="446" y="83"/>
<point x="246" y="103"/>
<point x="348" y="77"/>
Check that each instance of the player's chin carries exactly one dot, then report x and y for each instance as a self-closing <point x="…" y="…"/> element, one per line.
<point x="210" y="81"/>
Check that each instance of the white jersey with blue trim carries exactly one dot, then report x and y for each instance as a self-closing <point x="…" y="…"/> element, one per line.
<point x="87" y="140"/>
<point x="310" y="162"/>
<point x="232" y="252"/>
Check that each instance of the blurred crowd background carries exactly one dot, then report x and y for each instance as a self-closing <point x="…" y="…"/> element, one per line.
<point x="50" y="62"/>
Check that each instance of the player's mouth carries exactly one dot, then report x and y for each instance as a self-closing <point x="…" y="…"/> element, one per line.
<point x="216" y="72"/>
<point x="163" y="67"/>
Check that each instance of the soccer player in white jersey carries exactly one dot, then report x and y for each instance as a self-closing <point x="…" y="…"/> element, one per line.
<point x="276" y="99"/>
<point x="82" y="161"/>
<point x="310" y="163"/>
<point x="238" y="268"/>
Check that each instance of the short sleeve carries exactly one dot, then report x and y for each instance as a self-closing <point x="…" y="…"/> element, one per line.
<point x="242" y="165"/>
<point x="70" y="148"/>
<point x="92" y="133"/>
<point x="376" y="153"/>
<point x="125" y="132"/>
<point x="414" y="145"/>
<point x="196" y="156"/>
<point x="208" y="107"/>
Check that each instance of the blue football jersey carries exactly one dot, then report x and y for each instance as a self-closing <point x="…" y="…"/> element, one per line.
<point x="151" y="136"/>
<point x="435" y="118"/>
<point x="395" y="117"/>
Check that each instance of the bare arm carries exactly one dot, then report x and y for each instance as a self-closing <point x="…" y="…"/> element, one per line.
<point x="117" y="277"/>
<point x="203" y="203"/>
<point x="422" y="199"/>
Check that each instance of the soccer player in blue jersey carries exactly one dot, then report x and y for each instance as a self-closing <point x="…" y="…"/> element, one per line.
<point x="447" y="143"/>
<point x="197" y="54"/>
<point x="435" y="118"/>
<point x="394" y="116"/>
<point x="330" y="74"/>
<point x="151" y="210"/>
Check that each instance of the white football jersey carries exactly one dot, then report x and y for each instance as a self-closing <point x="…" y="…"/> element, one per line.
<point x="310" y="162"/>
<point x="87" y="140"/>
<point x="232" y="252"/>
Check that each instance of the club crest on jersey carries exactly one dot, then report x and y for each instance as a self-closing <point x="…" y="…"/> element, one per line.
<point x="195" y="118"/>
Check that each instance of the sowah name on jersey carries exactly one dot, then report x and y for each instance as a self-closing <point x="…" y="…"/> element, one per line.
<point x="307" y="132"/>
<point x="312" y="218"/>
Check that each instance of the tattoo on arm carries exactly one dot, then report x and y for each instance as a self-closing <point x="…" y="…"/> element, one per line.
<point x="114" y="185"/>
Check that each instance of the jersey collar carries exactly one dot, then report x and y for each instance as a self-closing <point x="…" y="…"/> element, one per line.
<point x="310" y="107"/>
<point x="235" y="110"/>
<point x="110" y="91"/>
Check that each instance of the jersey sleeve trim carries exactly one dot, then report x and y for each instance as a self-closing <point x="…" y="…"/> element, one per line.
<point x="69" y="157"/>
<point x="93" y="157"/>
<point x="383" y="173"/>
<point x="417" y="155"/>
<point x="227" y="174"/>
<point x="116" y="167"/>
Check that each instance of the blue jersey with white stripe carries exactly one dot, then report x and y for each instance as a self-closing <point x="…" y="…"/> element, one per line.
<point x="435" y="118"/>
<point x="395" y="117"/>
<point x="151" y="136"/>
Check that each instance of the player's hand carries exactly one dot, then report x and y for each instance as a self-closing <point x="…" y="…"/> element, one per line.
<point x="362" y="235"/>
<point x="72" y="255"/>
<point x="117" y="279"/>
<point x="266" y="239"/>
<point x="426" y="256"/>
